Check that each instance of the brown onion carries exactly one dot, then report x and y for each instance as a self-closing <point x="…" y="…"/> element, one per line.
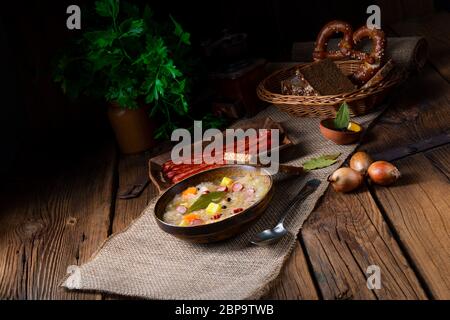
<point x="360" y="162"/>
<point x="345" y="180"/>
<point x="383" y="173"/>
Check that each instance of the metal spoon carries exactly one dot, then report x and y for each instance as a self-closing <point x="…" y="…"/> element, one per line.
<point x="270" y="236"/>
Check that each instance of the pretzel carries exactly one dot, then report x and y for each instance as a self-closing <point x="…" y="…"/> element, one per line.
<point x="371" y="61"/>
<point x="345" y="45"/>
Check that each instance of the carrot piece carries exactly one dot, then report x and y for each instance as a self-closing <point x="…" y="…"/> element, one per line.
<point x="191" y="217"/>
<point x="189" y="191"/>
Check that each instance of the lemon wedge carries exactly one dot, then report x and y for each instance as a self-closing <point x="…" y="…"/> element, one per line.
<point x="354" y="127"/>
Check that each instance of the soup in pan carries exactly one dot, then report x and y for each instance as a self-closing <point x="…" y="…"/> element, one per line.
<point x="213" y="201"/>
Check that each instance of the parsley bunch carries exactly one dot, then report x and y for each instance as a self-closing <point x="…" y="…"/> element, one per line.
<point x="132" y="60"/>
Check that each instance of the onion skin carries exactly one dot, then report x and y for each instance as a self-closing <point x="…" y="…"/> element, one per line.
<point x="361" y="162"/>
<point x="345" y="180"/>
<point x="383" y="173"/>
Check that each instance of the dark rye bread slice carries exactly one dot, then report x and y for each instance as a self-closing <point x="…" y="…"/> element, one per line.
<point x="326" y="78"/>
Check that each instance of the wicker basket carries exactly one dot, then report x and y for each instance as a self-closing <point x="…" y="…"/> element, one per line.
<point x="361" y="101"/>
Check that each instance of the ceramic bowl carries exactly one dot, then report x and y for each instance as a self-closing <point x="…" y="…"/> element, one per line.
<point x="337" y="136"/>
<point x="223" y="229"/>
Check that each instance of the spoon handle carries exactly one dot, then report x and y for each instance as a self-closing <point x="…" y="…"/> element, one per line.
<point x="285" y="168"/>
<point x="309" y="188"/>
<point x="291" y="169"/>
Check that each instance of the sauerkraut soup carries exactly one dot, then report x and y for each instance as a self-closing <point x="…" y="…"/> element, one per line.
<point x="213" y="201"/>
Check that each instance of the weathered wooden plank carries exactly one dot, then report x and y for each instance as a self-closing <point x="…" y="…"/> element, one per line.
<point x="346" y="234"/>
<point x="130" y="168"/>
<point x="418" y="207"/>
<point x="436" y="29"/>
<point x="295" y="280"/>
<point x="440" y="159"/>
<point x="421" y="110"/>
<point x="53" y="217"/>
<point x="403" y="151"/>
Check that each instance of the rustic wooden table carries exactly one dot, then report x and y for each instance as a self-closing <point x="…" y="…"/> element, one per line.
<point x="54" y="218"/>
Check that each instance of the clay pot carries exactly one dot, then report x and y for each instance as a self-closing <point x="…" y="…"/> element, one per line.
<point x="338" y="136"/>
<point x="132" y="127"/>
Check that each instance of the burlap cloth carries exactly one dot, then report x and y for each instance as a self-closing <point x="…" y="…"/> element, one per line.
<point x="144" y="261"/>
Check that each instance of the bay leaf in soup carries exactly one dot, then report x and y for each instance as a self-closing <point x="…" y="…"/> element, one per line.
<point x="205" y="199"/>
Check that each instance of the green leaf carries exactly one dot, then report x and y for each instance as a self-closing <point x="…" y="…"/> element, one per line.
<point x="185" y="105"/>
<point x="158" y="89"/>
<point x="321" y="162"/>
<point x="178" y="29"/>
<point x="172" y="69"/>
<point x="107" y="8"/>
<point x="101" y="39"/>
<point x="343" y="117"/>
<point x="149" y="98"/>
<point x="160" y="133"/>
<point x="125" y="25"/>
<point x="205" y="199"/>
<point x="333" y="156"/>
<point x="154" y="109"/>
<point x="102" y="8"/>
<point x="185" y="38"/>
<point x="161" y="49"/>
<point x="104" y="58"/>
<point x="135" y="28"/>
<point x="180" y="33"/>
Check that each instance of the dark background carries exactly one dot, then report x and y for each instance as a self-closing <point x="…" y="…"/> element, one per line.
<point x="35" y="114"/>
